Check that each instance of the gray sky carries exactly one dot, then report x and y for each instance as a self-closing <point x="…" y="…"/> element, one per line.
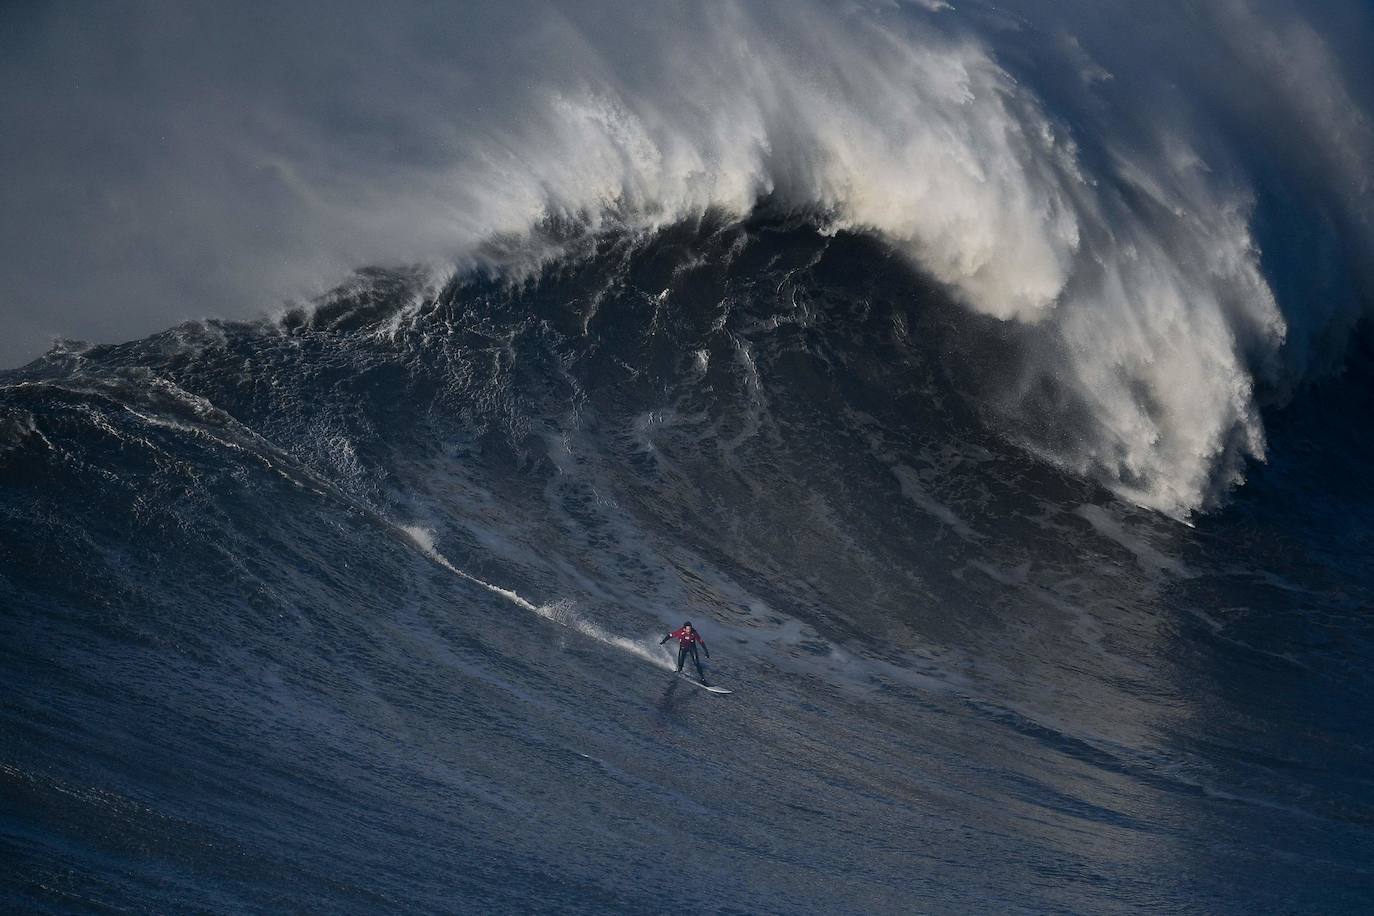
<point x="164" y="161"/>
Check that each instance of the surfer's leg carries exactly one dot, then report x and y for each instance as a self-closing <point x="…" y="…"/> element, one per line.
<point x="681" y="657"/>
<point x="696" y="659"/>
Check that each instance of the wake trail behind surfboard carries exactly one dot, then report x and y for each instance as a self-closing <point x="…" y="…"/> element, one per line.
<point x="562" y="613"/>
<point x="559" y="612"/>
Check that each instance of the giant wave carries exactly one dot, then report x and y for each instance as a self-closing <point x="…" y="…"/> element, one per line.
<point x="987" y="383"/>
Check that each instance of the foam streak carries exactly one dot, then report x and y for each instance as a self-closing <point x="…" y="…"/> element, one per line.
<point x="563" y="613"/>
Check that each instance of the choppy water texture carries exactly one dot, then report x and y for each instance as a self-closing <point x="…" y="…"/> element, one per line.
<point x="357" y="612"/>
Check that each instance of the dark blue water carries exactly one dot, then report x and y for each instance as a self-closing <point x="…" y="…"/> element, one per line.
<point x="357" y="611"/>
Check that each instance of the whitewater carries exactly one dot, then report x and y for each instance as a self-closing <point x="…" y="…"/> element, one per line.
<point x="989" y="383"/>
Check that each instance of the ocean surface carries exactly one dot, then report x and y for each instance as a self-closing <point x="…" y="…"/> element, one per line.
<point x="356" y="609"/>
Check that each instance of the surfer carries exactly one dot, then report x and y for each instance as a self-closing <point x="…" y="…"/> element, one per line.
<point x="687" y="641"/>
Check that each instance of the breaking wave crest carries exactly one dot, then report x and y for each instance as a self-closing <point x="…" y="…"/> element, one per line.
<point x="1175" y="206"/>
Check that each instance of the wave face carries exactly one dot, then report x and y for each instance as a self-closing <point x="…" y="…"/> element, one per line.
<point x="357" y="610"/>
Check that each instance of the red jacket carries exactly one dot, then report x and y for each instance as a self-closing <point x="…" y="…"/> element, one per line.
<point x="686" y="638"/>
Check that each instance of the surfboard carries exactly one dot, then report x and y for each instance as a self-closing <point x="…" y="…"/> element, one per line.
<point x="711" y="687"/>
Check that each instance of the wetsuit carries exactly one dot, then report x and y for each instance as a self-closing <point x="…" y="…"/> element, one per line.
<point x="687" y="642"/>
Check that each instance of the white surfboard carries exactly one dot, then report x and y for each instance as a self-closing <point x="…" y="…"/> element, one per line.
<point x="711" y="687"/>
